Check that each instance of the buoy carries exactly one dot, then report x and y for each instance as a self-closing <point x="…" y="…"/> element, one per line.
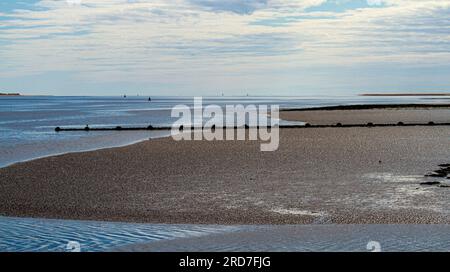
<point x="57" y="129"/>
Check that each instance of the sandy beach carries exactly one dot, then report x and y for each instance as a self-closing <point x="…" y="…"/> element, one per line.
<point x="318" y="176"/>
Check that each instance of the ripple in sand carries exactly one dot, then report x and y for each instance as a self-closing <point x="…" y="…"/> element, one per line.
<point x="25" y="234"/>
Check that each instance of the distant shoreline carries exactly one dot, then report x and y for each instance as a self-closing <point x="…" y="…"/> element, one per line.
<point x="372" y="107"/>
<point x="10" y="94"/>
<point x="405" y="94"/>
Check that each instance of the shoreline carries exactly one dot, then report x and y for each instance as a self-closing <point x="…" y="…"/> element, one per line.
<point x="70" y="152"/>
<point x="313" y="109"/>
<point x="371" y="107"/>
<point x="399" y="115"/>
<point x="315" y="178"/>
<point x="405" y="94"/>
<point x="80" y="151"/>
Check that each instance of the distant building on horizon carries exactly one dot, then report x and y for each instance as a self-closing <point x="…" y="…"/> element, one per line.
<point x="10" y="94"/>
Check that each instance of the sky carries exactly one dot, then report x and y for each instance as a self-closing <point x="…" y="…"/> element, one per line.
<point x="210" y="47"/>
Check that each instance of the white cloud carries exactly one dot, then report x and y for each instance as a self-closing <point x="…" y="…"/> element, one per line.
<point x="74" y="2"/>
<point x="375" y="2"/>
<point x="157" y="41"/>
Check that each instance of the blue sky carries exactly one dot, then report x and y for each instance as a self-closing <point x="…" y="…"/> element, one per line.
<point x="206" y="47"/>
<point x="10" y="6"/>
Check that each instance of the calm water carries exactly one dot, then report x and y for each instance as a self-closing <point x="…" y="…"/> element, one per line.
<point x="27" y="123"/>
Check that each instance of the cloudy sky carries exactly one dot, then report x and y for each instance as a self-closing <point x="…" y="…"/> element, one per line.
<point x="206" y="47"/>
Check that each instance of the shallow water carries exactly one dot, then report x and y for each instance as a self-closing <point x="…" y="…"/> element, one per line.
<point x="27" y="123"/>
<point x="46" y="235"/>
<point x="317" y="238"/>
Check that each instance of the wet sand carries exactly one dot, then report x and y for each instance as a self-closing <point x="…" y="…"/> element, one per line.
<point x="363" y="116"/>
<point x="318" y="176"/>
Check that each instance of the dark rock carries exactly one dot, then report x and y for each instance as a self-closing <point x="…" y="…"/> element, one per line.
<point x="400" y="124"/>
<point x="444" y="172"/>
<point x="118" y="128"/>
<point x="436" y="175"/>
<point x="430" y="183"/>
<point x="86" y="128"/>
<point x="339" y="124"/>
<point x="370" y="124"/>
<point x="431" y="123"/>
<point x="57" y="129"/>
<point x="444" y="186"/>
<point x="150" y="127"/>
<point x="307" y="125"/>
